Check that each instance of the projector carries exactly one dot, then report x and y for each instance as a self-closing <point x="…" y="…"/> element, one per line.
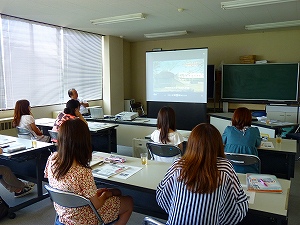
<point x="127" y="115"/>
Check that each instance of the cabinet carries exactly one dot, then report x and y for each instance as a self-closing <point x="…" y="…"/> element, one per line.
<point x="282" y="113"/>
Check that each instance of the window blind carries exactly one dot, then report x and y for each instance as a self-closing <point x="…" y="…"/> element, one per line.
<point x="40" y="62"/>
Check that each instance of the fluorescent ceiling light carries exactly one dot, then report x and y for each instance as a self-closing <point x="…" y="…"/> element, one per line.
<point x="249" y="3"/>
<point x="166" y="34"/>
<point x="119" y="19"/>
<point x="261" y="26"/>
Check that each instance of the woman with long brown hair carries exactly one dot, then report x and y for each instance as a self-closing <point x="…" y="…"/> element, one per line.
<point x="166" y="132"/>
<point x="202" y="187"/>
<point x="24" y="119"/>
<point x="68" y="170"/>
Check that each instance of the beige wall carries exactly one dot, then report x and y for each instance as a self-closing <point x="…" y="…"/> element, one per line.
<point x="113" y="78"/>
<point x="281" y="46"/>
<point x="125" y="63"/>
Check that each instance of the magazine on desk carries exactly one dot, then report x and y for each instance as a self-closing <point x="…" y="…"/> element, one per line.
<point x="263" y="183"/>
<point x="106" y="170"/>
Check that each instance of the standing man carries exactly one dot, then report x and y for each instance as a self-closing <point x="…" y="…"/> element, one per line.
<point x="83" y="103"/>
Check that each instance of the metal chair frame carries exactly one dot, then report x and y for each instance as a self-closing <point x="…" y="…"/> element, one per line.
<point x="244" y="159"/>
<point x="24" y="133"/>
<point x="70" y="200"/>
<point x="151" y="221"/>
<point x="53" y="134"/>
<point x="163" y="150"/>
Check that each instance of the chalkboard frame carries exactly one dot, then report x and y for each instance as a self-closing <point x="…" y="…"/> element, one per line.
<point x="260" y="83"/>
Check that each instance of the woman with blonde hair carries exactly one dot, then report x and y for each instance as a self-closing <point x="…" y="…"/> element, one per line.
<point x="202" y="187"/>
<point x="24" y="119"/>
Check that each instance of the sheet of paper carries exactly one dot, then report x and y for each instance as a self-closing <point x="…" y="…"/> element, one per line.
<point x="107" y="170"/>
<point x="129" y="172"/>
<point x="266" y="144"/>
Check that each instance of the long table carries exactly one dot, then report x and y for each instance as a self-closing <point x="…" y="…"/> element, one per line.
<point x="268" y="208"/>
<point x="104" y="135"/>
<point x="27" y="164"/>
<point x="127" y="130"/>
<point x="280" y="160"/>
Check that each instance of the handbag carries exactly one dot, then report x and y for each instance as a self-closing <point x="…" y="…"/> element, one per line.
<point x="3" y="208"/>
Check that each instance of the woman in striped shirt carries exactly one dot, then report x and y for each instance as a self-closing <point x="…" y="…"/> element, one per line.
<point x="202" y="188"/>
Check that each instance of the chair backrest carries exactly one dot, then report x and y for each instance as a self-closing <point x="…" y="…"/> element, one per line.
<point x="70" y="200"/>
<point x="53" y="134"/>
<point x="151" y="221"/>
<point x="137" y="107"/>
<point x="24" y="133"/>
<point x="170" y="152"/>
<point x="243" y="159"/>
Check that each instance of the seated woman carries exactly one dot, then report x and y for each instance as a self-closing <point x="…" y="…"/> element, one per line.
<point x="23" y="118"/>
<point x="202" y="187"/>
<point x="242" y="138"/>
<point x="166" y="130"/>
<point x="68" y="170"/>
<point x="70" y="112"/>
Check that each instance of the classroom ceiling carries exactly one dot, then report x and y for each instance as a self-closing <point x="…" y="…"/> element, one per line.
<point x="198" y="18"/>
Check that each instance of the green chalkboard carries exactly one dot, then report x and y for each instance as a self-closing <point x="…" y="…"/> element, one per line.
<point x="261" y="82"/>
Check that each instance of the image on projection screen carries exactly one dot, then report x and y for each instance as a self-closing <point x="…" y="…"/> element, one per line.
<point x="175" y="76"/>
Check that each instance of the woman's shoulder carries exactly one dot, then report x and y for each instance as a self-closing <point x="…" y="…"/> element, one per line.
<point x="27" y="118"/>
<point x="224" y="165"/>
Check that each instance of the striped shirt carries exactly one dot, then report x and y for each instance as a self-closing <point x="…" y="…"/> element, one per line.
<point x="227" y="205"/>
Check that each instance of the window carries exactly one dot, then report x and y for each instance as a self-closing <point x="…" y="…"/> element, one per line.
<point x="41" y="62"/>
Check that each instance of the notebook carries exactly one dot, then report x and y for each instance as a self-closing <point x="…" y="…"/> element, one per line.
<point x="96" y="112"/>
<point x="13" y="148"/>
<point x="263" y="183"/>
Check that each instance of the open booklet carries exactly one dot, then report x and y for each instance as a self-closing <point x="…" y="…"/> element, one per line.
<point x="107" y="170"/>
<point x="263" y="183"/>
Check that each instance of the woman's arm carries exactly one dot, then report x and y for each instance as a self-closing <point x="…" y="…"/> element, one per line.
<point x="79" y="115"/>
<point x="36" y="129"/>
<point x="99" y="200"/>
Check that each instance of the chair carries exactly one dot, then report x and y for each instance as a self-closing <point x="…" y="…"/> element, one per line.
<point x="163" y="152"/>
<point x="243" y="160"/>
<point x="137" y="107"/>
<point x="151" y="221"/>
<point x="53" y="135"/>
<point x="24" y="133"/>
<point x="70" y="200"/>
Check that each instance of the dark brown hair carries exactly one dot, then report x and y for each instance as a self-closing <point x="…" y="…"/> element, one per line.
<point x="74" y="143"/>
<point x="241" y="118"/>
<point x="165" y="121"/>
<point x="71" y="105"/>
<point x="199" y="169"/>
<point x="21" y="108"/>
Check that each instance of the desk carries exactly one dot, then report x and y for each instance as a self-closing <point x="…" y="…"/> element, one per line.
<point x="222" y="120"/>
<point x="104" y="137"/>
<point x="267" y="207"/>
<point x="280" y="160"/>
<point x="31" y="170"/>
<point x="127" y="130"/>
